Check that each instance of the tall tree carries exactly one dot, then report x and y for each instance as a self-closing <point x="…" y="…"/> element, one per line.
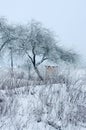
<point x="8" y="38"/>
<point x="36" y="41"/>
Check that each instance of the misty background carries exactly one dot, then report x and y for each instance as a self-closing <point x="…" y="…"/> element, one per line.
<point x="67" y="18"/>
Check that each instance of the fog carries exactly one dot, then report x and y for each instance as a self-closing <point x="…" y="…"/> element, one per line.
<point x="67" y="18"/>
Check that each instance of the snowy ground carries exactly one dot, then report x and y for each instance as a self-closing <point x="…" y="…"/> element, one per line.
<point x="29" y="108"/>
<point x="44" y="107"/>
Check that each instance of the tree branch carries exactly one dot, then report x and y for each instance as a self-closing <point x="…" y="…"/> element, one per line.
<point x="29" y="56"/>
<point x="42" y="60"/>
<point x="34" y="55"/>
<point x="7" y="41"/>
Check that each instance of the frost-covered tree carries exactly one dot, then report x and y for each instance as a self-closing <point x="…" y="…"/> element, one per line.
<point x="7" y="38"/>
<point x="38" y="42"/>
<point x="34" y="41"/>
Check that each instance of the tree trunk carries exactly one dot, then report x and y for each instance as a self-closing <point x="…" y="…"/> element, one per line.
<point x="11" y="56"/>
<point x="29" y="75"/>
<point x="11" y="65"/>
<point x="33" y="60"/>
<point x="37" y="72"/>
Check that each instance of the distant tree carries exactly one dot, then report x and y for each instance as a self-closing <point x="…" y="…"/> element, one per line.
<point x="8" y="38"/>
<point x="27" y="65"/>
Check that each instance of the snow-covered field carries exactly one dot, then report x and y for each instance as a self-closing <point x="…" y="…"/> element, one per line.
<point x="37" y="108"/>
<point x="60" y="106"/>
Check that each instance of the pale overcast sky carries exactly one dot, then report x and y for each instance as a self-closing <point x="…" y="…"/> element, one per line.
<point x="66" y="17"/>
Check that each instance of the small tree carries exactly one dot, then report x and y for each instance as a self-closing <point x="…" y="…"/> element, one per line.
<point x="27" y="66"/>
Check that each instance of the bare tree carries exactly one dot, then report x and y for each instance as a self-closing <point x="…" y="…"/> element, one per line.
<point x="37" y="42"/>
<point x="34" y="41"/>
<point x="27" y="65"/>
<point x="8" y="38"/>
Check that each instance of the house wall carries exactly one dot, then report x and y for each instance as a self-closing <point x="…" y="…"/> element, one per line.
<point x="51" y="72"/>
